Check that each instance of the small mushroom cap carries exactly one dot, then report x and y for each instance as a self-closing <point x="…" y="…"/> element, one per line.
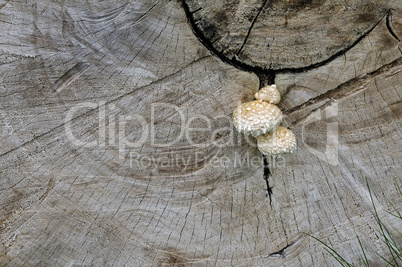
<point x="278" y="142"/>
<point x="256" y="117"/>
<point x="269" y="93"/>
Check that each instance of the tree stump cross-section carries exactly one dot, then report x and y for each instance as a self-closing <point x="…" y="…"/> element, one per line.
<point x="118" y="147"/>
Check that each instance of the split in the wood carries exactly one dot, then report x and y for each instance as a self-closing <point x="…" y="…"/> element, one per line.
<point x="281" y="253"/>
<point x="266" y="77"/>
<point x="267" y="175"/>
<point x="389" y="27"/>
<point x="251" y="27"/>
<point x="342" y="90"/>
<point x="71" y="75"/>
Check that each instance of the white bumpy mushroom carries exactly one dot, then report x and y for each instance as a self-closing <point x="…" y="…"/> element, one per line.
<point x="256" y="117"/>
<point x="261" y="119"/>
<point x="269" y="93"/>
<point x="277" y="142"/>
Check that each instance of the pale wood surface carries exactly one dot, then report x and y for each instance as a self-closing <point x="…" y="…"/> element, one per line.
<point x="66" y="205"/>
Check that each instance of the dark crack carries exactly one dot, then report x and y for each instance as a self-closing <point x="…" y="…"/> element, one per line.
<point x="71" y="75"/>
<point x="195" y="11"/>
<point x="281" y="253"/>
<point x="266" y="77"/>
<point x="251" y="27"/>
<point x="389" y="27"/>
<point x="267" y="175"/>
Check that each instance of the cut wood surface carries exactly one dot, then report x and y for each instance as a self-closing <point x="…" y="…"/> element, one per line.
<point x="284" y="34"/>
<point x="118" y="147"/>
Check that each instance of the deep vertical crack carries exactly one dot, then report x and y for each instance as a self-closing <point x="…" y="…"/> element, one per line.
<point x="266" y="77"/>
<point x="267" y="175"/>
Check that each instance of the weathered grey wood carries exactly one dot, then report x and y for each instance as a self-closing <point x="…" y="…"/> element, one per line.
<point x="375" y="50"/>
<point x="62" y="204"/>
<point x="284" y="34"/>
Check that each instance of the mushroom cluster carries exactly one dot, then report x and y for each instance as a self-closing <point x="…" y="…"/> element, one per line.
<point x="261" y="119"/>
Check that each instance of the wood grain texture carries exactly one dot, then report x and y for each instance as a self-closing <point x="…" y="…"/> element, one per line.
<point x="284" y="34"/>
<point x="200" y="200"/>
<point x="375" y="50"/>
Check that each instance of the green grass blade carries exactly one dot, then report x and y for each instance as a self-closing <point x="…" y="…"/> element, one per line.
<point x="398" y="214"/>
<point x="341" y="260"/>
<point x="395" y="252"/>
<point x="333" y="253"/>
<point x="384" y="259"/>
<point x="397" y="187"/>
<point x="381" y="225"/>
<point x="364" y="259"/>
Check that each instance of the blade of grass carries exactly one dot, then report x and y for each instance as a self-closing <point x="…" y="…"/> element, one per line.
<point x="397" y="186"/>
<point x="384" y="259"/>
<point x="397" y="215"/>
<point x="333" y="252"/>
<point x="364" y="259"/>
<point x="393" y="246"/>
<point x="387" y="239"/>
<point x="385" y="236"/>
<point x="380" y="223"/>
<point x="341" y="261"/>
